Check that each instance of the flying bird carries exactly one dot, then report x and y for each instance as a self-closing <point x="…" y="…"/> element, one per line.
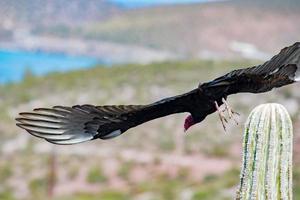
<point x="80" y="123"/>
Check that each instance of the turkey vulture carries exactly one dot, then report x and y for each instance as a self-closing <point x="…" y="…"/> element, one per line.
<point x="70" y="125"/>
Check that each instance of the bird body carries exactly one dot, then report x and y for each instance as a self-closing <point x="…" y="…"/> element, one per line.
<point x="70" y="125"/>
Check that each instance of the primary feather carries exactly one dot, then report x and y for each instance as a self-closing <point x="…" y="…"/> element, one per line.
<point x="80" y="123"/>
<point x="69" y="125"/>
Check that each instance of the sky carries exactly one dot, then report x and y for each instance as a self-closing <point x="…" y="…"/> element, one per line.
<point x="142" y="3"/>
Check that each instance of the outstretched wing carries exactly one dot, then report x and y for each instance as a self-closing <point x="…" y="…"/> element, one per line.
<point x="70" y="125"/>
<point x="282" y="69"/>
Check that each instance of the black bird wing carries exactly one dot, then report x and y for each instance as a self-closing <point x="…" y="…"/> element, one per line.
<point x="70" y="125"/>
<point x="282" y="69"/>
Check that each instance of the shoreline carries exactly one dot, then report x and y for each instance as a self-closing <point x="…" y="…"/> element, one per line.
<point x="104" y="51"/>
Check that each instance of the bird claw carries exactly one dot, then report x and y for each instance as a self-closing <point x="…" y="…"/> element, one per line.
<point x="221" y="116"/>
<point x="231" y="114"/>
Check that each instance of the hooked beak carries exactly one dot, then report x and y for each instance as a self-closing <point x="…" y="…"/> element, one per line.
<point x="189" y="121"/>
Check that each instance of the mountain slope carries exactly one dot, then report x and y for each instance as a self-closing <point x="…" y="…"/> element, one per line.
<point x="214" y="30"/>
<point x="194" y="30"/>
<point x="54" y="11"/>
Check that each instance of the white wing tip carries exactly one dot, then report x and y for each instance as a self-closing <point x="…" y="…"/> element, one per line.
<point x="54" y="126"/>
<point x="75" y="140"/>
<point x="112" y="134"/>
<point x="297" y="74"/>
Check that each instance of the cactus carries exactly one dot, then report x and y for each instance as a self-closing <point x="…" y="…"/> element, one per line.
<point x="267" y="155"/>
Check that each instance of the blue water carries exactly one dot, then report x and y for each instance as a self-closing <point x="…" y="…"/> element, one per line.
<point x="147" y="3"/>
<point x="14" y="64"/>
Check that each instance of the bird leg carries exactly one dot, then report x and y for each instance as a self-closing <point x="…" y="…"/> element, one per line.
<point x="221" y="116"/>
<point x="230" y="112"/>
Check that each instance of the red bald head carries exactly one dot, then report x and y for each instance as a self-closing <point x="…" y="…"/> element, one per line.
<point x="189" y="121"/>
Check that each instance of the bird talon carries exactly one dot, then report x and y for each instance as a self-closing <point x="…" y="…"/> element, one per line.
<point x="225" y="120"/>
<point x="231" y="114"/>
<point x="221" y="116"/>
<point x="236" y="113"/>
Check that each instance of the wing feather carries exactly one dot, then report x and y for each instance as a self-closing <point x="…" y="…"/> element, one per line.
<point x="285" y="63"/>
<point x="282" y="69"/>
<point x="80" y="123"/>
<point x="68" y="125"/>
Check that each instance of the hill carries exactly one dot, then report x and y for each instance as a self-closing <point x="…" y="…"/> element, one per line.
<point x="39" y="12"/>
<point x="203" y="29"/>
<point x="252" y="29"/>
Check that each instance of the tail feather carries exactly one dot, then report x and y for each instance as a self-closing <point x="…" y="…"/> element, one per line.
<point x="70" y="125"/>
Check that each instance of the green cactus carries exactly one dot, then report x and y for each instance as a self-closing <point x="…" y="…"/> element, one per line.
<point x="267" y="155"/>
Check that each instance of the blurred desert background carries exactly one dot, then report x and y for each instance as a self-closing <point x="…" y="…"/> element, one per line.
<point x="72" y="52"/>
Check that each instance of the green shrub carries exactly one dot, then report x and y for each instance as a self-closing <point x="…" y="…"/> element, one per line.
<point x="95" y="175"/>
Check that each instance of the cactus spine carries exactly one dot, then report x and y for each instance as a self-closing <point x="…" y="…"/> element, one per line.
<point x="267" y="155"/>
